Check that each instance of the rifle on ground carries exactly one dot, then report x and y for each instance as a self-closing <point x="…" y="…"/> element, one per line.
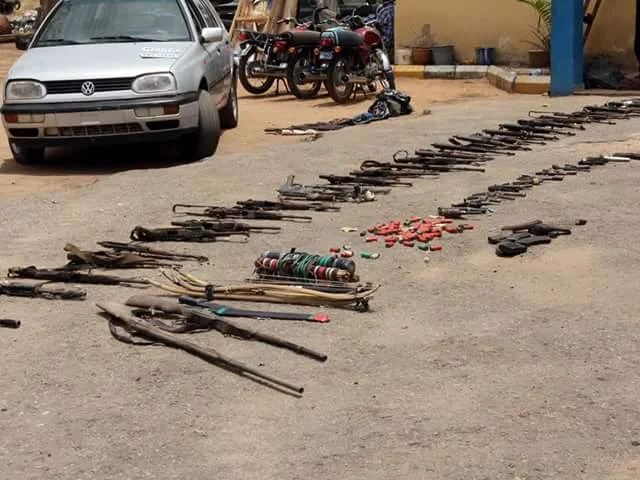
<point x="449" y="155"/>
<point x="225" y="226"/>
<point x="227" y="311"/>
<point x="283" y="205"/>
<point x="482" y="140"/>
<point x="460" y="212"/>
<point x="196" y="319"/>
<point x="236" y="212"/>
<point x="181" y="234"/>
<point x="120" y="315"/>
<point x="6" y="323"/>
<point x="521" y="135"/>
<point x="64" y="276"/>
<point x="492" y="146"/>
<point x="602" y="160"/>
<point x="350" y="188"/>
<point x="79" y="259"/>
<point x="373" y="168"/>
<point x="546" y="133"/>
<point x="326" y="193"/>
<point x="576" y="117"/>
<point x="151" y="252"/>
<point x="363" y="180"/>
<point x="628" y="155"/>
<point x="610" y="111"/>
<point x="435" y="163"/>
<point x="540" y="122"/>
<point x="20" y="288"/>
<point x="469" y="148"/>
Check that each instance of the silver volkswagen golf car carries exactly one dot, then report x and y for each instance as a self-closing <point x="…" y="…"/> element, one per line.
<point x="104" y="72"/>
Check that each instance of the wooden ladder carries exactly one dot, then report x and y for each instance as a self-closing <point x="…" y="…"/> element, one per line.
<point x="262" y="15"/>
<point x="590" y="16"/>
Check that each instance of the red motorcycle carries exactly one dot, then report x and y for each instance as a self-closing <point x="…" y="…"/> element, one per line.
<point x="354" y="56"/>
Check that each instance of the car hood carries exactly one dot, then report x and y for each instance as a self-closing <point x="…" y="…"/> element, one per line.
<point x="108" y="60"/>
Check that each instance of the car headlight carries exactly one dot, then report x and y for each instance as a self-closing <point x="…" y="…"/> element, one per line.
<point x="157" y="82"/>
<point x="25" y="90"/>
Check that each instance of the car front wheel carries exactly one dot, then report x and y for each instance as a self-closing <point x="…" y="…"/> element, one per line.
<point x="27" y="155"/>
<point x="229" y="114"/>
<point x="204" y="142"/>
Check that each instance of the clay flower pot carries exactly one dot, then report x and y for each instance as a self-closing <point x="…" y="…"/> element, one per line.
<point x="539" y="58"/>
<point x="421" y="56"/>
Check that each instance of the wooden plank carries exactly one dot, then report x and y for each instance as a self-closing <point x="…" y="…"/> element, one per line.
<point x="591" y="16"/>
<point x="11" y="37"/>
<point x="241" y="11"/>
<point x="253" y="19"/>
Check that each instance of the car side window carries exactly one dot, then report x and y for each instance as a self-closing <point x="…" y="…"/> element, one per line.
<point x="216" y="17"/>
<point x="197" y="16"/>
<point x="209" y="20"/>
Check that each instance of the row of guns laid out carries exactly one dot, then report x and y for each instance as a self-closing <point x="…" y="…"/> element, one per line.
<point x="483" y="202"/>
<point x="461" y="153"/>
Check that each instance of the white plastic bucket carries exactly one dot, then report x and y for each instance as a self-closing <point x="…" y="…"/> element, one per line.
<point x="403" y="56"/>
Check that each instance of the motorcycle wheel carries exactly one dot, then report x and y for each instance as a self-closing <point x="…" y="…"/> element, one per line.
<point x="339" y="91"/>
<point x="386" y="79"/>
<point x="296" y="66"/>
<point x="262" y="85"/>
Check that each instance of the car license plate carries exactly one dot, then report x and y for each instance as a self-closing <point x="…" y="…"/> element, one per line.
<point x="90" y="118"/>
<point x="326" y="55"/>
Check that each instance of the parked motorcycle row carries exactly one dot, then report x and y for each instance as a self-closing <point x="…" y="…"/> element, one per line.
<point x="341" y="54"/>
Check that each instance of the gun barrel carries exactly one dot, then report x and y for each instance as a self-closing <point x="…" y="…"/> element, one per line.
<point x="7" y="323"/>
<point x="154" y="333"/>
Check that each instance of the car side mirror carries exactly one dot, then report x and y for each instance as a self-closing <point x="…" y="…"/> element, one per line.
<point x="22" y="42"/>
<point x="212" y="35"/>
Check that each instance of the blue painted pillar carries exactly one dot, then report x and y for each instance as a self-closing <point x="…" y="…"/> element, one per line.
<point x="567" y="54"/>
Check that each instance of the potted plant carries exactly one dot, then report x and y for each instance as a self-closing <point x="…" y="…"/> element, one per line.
<point x="539" y="56"/>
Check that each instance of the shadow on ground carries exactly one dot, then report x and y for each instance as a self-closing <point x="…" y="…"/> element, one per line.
<point x="96" y="161"/>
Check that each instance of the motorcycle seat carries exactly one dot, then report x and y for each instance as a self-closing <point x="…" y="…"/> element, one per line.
<point x="345" y="37"/>
<point x="302" y="37"/>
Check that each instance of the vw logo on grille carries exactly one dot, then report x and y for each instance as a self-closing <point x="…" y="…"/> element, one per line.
<point x="88" y="88"/>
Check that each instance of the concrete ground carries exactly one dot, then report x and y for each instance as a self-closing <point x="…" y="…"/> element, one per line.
<point x="468" y="367"/>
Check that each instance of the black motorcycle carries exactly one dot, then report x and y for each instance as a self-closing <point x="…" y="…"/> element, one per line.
<point x="267" y="57"/>
<point x="263" y="59"/>
<point x="302" y="45"/>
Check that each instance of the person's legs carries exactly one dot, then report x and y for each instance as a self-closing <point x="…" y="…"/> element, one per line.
<point x="634" y="82"/>
<point x="636" y="46"/>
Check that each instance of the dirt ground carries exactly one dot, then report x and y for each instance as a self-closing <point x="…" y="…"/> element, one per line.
<point x="71" y="169"/>
<point x="470" y="366"/>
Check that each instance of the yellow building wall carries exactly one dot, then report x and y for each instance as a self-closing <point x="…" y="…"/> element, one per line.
<point x="506" y="25"/>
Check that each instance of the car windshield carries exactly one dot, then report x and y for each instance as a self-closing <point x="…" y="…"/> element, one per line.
<point x="109" y="21"/>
